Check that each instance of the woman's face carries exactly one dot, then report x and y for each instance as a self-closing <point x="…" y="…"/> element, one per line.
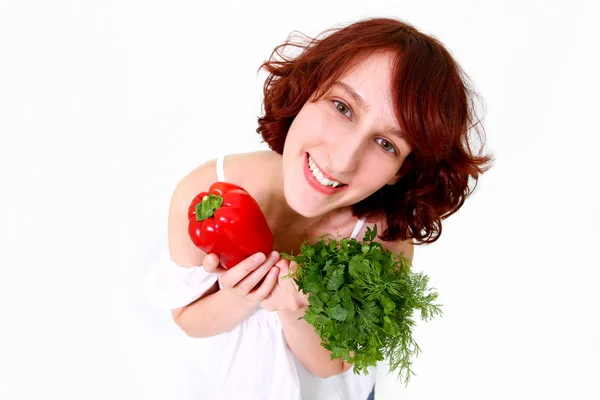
<point x="349" y="136"/>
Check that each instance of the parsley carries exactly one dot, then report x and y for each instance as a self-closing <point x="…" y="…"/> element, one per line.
<point x="362" y="298"/>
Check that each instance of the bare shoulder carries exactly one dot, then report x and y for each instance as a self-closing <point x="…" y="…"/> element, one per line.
<point x="248" y="168"/>
<point x="255" y="172"/>
<point x="182" y="250"/>
<point x="245" y="170"/>
<point x="406" y="247"/>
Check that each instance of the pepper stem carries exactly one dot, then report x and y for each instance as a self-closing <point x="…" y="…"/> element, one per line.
<point x="207" y="207"/>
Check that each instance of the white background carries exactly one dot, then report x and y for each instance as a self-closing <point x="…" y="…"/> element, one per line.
<point x="105" y="105"/>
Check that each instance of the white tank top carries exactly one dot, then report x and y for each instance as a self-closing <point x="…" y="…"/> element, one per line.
<point x="253" y="360"/>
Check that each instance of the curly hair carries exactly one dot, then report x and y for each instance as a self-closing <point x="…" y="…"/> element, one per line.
<point x="434" y="106"/>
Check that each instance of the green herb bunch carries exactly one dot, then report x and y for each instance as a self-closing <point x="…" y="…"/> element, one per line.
<point x="362" y="298"/>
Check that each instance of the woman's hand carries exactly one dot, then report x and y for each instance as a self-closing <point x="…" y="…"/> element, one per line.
<point x="253" y="279"/>
<point x="285" y="295"/>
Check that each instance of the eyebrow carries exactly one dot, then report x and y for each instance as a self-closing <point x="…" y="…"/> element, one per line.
<point x="355" y="96"/>
<point x="360" y="101"/>
<point x="394" y="131"/>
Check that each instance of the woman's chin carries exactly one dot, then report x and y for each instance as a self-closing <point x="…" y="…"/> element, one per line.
<point x="303" y="208"/>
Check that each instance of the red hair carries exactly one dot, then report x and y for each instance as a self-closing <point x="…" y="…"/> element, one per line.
<point x="434" y="108"/>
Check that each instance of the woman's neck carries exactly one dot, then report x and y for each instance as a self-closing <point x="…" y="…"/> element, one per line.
<point x="285" y="218"/>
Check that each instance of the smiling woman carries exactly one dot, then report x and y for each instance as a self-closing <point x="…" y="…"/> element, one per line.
<point x="368" y="125"/>
<point x="417" y="103"/>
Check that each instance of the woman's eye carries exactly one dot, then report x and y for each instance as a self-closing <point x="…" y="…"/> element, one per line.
<point x="343" y="108"/>
<point x="387" y="146"/>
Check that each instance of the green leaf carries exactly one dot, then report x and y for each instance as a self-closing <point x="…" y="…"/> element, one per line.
<point x="337" y="278"/>
<point x="370" y="312"/>
<point x="370" y="234"/>
<point x="338" y="313"/>
<point x="328" y="265"/>
<point x="387" y="303"/>
<point x="308" y="252"/>
<point x="349" y="307"/>
<point x="316" y="303"/>
<point x="312" y="287"/>
<point x="334" y="299"/>
<point x="356" y="267"/>
<point x="376" y="265"/>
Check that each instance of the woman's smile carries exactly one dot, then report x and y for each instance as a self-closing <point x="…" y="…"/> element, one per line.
<point x="318" y="180"/>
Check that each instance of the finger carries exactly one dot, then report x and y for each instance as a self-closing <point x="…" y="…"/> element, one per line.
<point x="241" y="270"/>
<point x="283" y="265"/>
<point x="252" y="280"/>
<point x="265" y="289"/>
<point x="211" y="263"/>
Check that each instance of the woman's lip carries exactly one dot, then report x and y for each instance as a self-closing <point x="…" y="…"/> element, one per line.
<point x="323" y="172"/>
<point x="312" y="181"/>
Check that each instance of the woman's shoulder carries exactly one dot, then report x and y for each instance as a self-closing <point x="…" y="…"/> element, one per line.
<point x="242" y="169"/>
<point x="245" y="169"/>
<point x="397" y="246"/>
<point x="255" y="172"/>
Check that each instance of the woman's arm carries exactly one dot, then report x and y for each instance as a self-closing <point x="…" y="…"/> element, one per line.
<point x="301" y="337"/>
<point x="216" y="312"/>
<point x="205" y="316"/>
<point x="305" y="344"/>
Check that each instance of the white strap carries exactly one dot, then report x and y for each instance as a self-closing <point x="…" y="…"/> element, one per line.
<point x="359" y="225"/>
<point x="221" y="168"/>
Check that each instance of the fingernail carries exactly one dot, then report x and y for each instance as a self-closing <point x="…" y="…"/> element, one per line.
<point x="260" y="257"/>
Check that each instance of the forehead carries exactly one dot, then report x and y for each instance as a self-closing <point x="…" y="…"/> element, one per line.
<point x="378" y="65"/>
<point x="371" y="78"/>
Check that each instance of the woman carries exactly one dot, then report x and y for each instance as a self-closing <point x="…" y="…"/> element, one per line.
<point x="368" y="125"/>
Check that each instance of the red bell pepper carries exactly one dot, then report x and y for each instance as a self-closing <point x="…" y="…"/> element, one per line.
<point x="228" y="221"/>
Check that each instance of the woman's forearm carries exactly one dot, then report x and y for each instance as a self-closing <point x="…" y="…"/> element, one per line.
<point x="216" y="312"/>
<point x="305" y="344"/>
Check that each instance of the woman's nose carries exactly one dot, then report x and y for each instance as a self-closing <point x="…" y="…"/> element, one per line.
<point x="345" y="156"/>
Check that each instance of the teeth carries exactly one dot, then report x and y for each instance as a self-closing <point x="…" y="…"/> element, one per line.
<point x="319" y="175"/>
